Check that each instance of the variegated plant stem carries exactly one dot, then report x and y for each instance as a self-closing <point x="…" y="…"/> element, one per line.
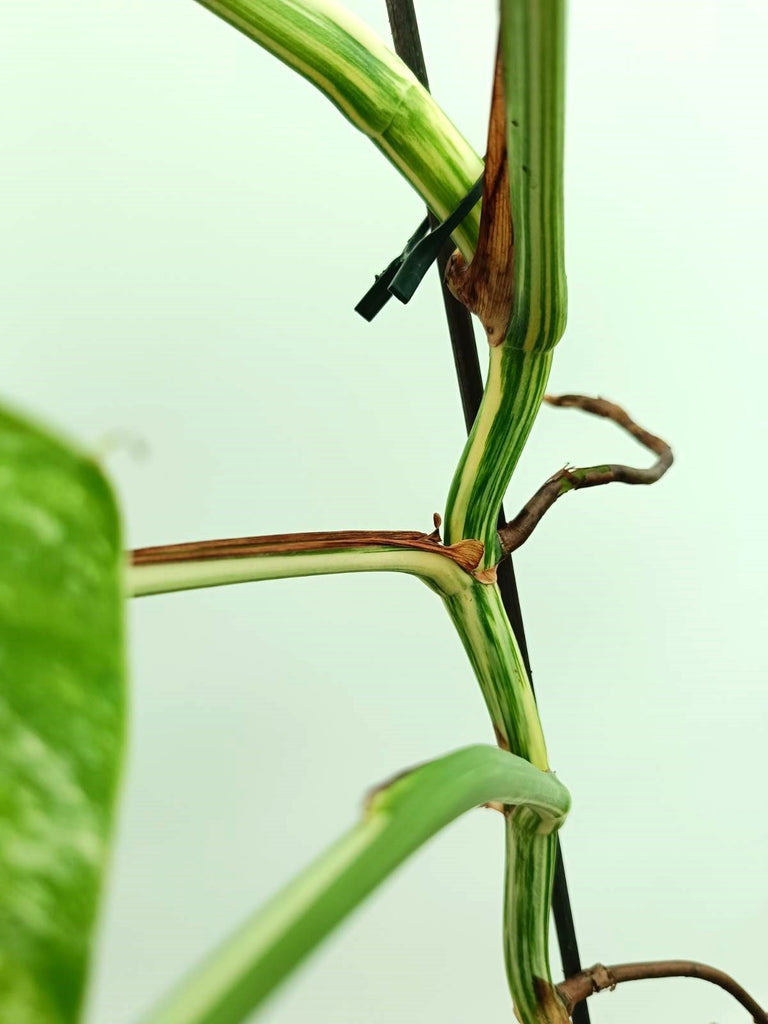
<point x="373" y="88"/>
<point x="532" y="41"/>
<point x="512" y="397"/>
<point x="479" y="617"/>
<point x="532" y="49"/>
<point x="400" y="816"/>
<point x="530" y="871"/>
<point x="379" y="95"/>
<point x="190" y="566"/>
<point x="481" y="621"/>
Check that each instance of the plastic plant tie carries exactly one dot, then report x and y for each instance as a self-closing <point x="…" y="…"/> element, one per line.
<point x="378" y="295"/>
<point x="405" y="273"/>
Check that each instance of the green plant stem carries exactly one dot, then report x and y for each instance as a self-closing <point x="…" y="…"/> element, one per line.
<point x="248" y="559"/>
<point x="374" y="90"/>
<point x="320" y="41"/>
<point x="399" y="818"/>
<point x="405" y="33"/>
<point x="478" y="614"/>
<point x="532" y="48"/>
<point x="513" y="394"/>
<point x="531" y="855"/>
<point x="481" y="621"/>
<point x="532" y="45"/>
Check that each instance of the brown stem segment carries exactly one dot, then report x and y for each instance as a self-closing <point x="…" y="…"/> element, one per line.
<point x="597" y="978"/>
<point x="519" y="529"/>
<point x="486" y="286"/>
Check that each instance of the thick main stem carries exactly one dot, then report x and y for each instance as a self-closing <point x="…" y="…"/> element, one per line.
<point x="531" y="858"/>
<point x="532" y="47"/>
<point x="513" y="394"/>
<point x="405" y="131"/>
<point x="405" y="33"/>
<point x="532" y="53"/>
<point x="480" y="620"/>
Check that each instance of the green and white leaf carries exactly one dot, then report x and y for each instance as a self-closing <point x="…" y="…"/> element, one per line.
<point x="62" y="717"/>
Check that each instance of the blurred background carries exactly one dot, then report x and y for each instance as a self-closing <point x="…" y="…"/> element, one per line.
<point x="187" y="227"/>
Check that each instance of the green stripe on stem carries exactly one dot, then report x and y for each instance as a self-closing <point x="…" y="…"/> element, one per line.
<point x="373" y="88"/>
<point x="532" y="39"/>
<point x="511" y="400"/>
<point x="481" y="622"/>
<point x="533" y="44"/>
<point x="531" y="853"/>
<point x="400" y="817"/>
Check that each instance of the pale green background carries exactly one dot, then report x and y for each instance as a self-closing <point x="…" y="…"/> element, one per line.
<point x="186" y="228"/>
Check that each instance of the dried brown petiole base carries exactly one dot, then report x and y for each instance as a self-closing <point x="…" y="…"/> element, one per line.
<point x="486" y="286"/>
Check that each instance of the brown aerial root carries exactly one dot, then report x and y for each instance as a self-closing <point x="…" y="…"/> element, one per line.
<point x="519" y="529"/>
<point x="598" y="978"/>
<point x="486" y="286"/>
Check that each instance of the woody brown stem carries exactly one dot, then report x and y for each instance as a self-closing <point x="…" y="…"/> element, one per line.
<point x="519" y="529"/>
<point x="595" y="979"/>
<point x="486" y="286"/>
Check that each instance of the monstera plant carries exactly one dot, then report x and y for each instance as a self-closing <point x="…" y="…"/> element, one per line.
<point x="64" y="576"/>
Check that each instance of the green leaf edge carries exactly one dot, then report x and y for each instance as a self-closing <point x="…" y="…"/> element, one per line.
<point x="62" y="715"/>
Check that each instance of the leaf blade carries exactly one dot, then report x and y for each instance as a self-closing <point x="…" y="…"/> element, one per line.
<point x="61" y="716"/>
